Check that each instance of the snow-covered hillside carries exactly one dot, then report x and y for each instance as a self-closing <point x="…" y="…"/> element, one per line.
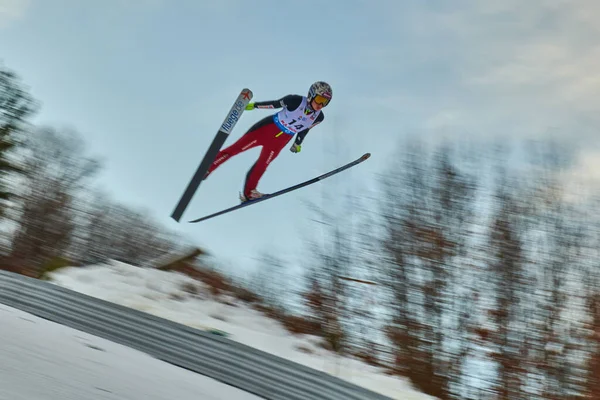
<point x="42" y="360"/>
<point x="168" y="295"/>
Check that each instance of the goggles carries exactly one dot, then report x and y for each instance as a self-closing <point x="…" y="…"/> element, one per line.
<point x="321" y="100"/>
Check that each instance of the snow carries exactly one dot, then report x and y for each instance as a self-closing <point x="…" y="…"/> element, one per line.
<point x="161" y="293"/>
<point x="45" y="360"/>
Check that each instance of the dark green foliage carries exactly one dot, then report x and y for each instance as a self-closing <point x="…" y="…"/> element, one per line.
<point x="16" y="106"/>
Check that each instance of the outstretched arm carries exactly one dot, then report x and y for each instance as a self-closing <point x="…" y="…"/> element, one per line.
<point x="291" y="101"/>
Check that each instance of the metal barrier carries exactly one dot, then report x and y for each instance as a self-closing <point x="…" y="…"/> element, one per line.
<point x="227" y="361"/>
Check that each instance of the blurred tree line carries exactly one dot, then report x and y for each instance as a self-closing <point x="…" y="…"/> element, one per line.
<point x="473" y="275"/>
<point x="486" y="272"/>
<point x="52" y="214"/>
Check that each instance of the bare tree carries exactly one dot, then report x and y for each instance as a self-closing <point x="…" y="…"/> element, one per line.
<point x="587" y="377"/>
<point x="57" y="170"/>
<point x="506" y="264"/>
<point x="560" y="242"/>
<point x="270" y="281"/>
<point x="427" y="210"/>
<point x="337" y="255"/>
<point x="591" y="384"/>
<point x="109" y="230"/>
<point x="326" y="295"/>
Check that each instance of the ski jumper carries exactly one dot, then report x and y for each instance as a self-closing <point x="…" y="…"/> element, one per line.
<point x="272" y="133"/>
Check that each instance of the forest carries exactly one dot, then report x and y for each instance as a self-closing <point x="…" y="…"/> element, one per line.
<point x="472" y="271"/>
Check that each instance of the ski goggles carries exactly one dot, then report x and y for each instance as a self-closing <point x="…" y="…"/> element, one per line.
<point x="322" y="100"/>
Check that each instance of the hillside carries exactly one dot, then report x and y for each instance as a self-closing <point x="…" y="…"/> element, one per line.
<point x="178" y="297"/>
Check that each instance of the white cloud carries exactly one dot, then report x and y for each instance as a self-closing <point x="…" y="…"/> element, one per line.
<point x="533" y="65"/>
<point x="545" y="52"/>
<point x="11" y="10"/>
<point x="508" y="70"/>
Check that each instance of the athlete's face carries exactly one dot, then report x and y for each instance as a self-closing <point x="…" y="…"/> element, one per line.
<point x="319" y="102"/>
<point x="316" y="106"/>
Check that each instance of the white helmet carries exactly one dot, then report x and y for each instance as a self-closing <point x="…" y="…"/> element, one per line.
<point x="320" y="91"/>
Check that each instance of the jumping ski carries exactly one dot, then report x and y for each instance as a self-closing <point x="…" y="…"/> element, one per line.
<point x="228" y="124"/>
<point x="286" y="190"/>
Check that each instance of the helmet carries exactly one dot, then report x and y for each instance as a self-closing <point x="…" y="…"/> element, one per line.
<point x="321" y="92"/>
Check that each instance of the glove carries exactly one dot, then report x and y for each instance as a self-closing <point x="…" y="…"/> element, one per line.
<point x="295" y="148"/>
<point x="250" y="106"/>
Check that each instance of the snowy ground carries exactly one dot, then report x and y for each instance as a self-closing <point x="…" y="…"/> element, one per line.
<point x="42" y="360"/>
<point x="160" y="293"/>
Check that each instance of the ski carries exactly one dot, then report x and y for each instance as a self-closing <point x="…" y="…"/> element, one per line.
<point x="228" y="124"/>
<point x="286" y="190"/>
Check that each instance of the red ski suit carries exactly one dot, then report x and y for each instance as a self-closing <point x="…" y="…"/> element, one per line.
<point x="267" y="134"/>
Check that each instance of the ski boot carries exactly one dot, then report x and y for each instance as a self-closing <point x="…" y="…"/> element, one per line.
<point x="254" y="195"/>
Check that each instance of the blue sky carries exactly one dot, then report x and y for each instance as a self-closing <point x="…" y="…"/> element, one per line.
<point x="148" y="82"/>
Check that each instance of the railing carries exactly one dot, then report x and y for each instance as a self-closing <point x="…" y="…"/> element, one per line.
<point x="227" y="361"/>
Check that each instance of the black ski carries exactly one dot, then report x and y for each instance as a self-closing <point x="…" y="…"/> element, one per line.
<point x="232" y="118"/>
<point x="286" y="190"/>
